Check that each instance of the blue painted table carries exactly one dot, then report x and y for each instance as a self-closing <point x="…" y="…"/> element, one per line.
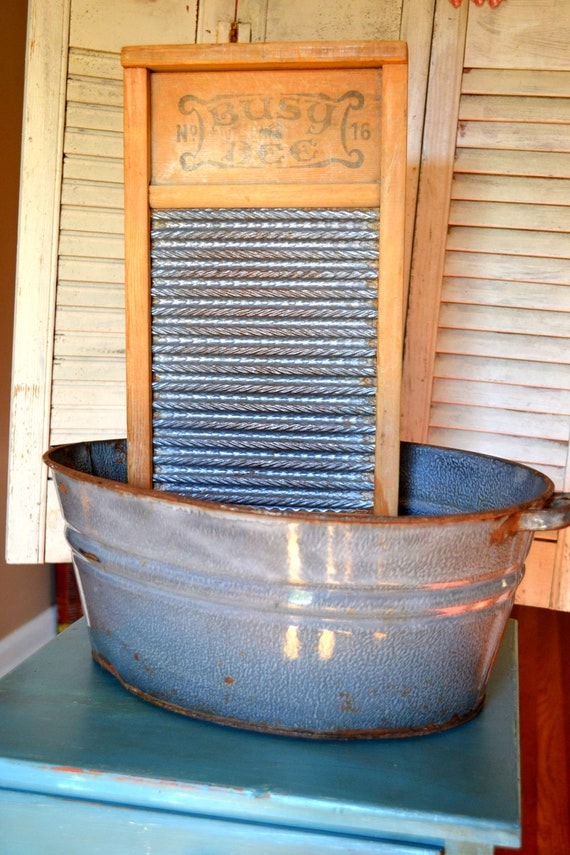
<point x="87" y="768"/>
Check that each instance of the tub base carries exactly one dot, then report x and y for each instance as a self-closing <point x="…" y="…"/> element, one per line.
<point x="258" y="727"/>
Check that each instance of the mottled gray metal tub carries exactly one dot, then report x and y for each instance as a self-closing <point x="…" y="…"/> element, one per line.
<point x="323" y="625"/>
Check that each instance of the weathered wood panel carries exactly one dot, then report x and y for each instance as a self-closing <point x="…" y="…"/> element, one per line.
<point x="508" y="396"/>
<point x="488" y="265"/>
<point x="539" y="243"/>
<point x="514" y="108"/>
<point x="539" y="375"/>
<point x="520" y="34"/>
<point x="431" y="224"/>
<point x="549" y="191"/>
<point x="514" y="135"/>
<point x="481" y="416"/>
<point x="48" y="25"/>
<point x="501" y="345"/>
<point x="109" y="24"/>
<point x="538" y="164"/>
<point x="499" y="215"/>
<point x="498" y="319"/>
<point x="515" y="81"/>
<point x="318" y="20"/>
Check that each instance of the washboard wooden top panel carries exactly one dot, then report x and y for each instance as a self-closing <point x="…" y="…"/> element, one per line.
<point x="264" y="229"/>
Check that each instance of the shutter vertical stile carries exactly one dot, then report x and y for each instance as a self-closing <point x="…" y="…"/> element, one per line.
<point x="36" y="270"/>
<point x="431" y="216"/>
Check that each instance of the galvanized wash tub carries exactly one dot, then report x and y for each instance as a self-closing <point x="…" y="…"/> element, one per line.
<point x="326" y="625"/>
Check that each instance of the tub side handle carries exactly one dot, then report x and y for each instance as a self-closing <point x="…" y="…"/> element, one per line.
<point x="553" y="516"/>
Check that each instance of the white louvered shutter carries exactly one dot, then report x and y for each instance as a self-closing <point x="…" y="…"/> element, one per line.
<point x="496" y="353"/>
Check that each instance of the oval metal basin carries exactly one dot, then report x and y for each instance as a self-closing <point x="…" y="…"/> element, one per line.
<point x="326" y="625"/>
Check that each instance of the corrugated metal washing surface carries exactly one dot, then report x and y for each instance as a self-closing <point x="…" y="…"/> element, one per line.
<point x="263" y="352"/>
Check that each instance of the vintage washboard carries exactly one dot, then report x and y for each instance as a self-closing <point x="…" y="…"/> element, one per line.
<point x="264" y="227"/>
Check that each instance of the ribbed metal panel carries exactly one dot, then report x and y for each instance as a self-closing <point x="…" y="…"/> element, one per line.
<point x="263" y="348"/>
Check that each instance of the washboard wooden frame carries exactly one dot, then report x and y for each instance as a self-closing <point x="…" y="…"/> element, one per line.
<point x="157" y="80"/>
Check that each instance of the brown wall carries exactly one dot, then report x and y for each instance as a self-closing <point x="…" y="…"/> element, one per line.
<point x="25" y="591"/>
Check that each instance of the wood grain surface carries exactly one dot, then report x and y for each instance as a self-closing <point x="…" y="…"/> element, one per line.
<point x="544" y="642"/>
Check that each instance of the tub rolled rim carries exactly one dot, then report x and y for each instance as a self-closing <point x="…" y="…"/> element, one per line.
<point x="510" y="512"/>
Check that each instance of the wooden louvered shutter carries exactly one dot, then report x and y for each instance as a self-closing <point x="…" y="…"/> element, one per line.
<point x="501" y="377"/>
<point x="89" y="331"/>
<point x="498" y="355"/>
<point x="68" y="366"/>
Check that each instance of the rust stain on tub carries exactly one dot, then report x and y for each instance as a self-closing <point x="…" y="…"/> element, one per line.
<point x="85" y="502"/>
<point x="89" y="555"/>
<point x="507" y="529"/>
<point x="77" y="770"/>
<point x="348" y="703"/>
